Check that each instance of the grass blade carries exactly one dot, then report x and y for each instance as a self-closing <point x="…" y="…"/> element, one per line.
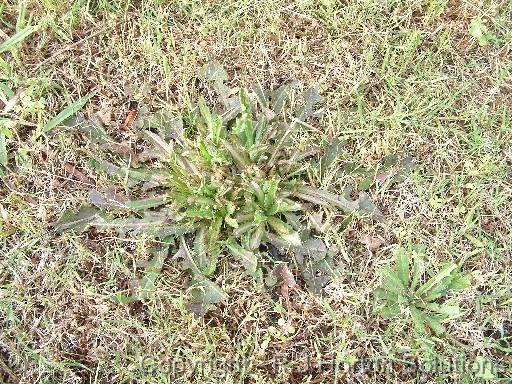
<point x="18" y="37"/>
<point x="67" y="112"/>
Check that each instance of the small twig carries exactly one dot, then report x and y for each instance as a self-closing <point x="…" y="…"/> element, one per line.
<point x="67" y="48"/>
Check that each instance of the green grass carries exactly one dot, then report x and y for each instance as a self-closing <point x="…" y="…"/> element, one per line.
<point x="397" y="77"/>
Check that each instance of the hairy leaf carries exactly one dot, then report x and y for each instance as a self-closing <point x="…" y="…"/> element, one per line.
<point x="109" y="200"/>
<point x="144" y="204"/>
<point x="79" y="221"/>
<point x="391" y="282"/>
<point x="204" y="294"/>
<point x="311" y="98"/>
<point x="281" y="95"/>
<point x="332" y="153"/>
<point x="314" y="248"/>
<point x="247" y="258"/>
<point x="402" y="267"/>
<point x="155" y="224"/>
<point x="168" y="126"/>
<point x="215" y="73"/>
<point x="437" y="278"/>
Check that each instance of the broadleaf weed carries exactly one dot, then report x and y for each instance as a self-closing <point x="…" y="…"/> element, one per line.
<point x="230" y="186"/>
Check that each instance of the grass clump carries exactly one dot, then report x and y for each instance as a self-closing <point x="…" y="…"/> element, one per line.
<point x="236" y="183"/>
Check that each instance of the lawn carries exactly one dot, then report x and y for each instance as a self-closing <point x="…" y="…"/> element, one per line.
<point x="428" y="82"/>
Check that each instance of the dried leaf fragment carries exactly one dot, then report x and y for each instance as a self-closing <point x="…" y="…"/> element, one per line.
<point x="284" y="276"/>
<point x="72" y="171"/>
<point x="371" y="242"/>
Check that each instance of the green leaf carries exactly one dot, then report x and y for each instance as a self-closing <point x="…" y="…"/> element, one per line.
<point x="189" y="261"/>
<point x="280" y="226"/>
<point x="368" y="208"/>
<point x="311" y="98"/>
<point x="160" y="143"/>
<point x="261" y="95"/>
<point x="391" y="282"/>
<point x="3" y="149"/>
<point x="200" y="254"/>
<point x="79" y="221"/>
<point x="320" y="197"/>
<point x="247" y="258"/>
<point x="204" y="151"/>
<point x="292" y="239"/>
<point x="333" y="151"/>
<point x="438" y="290"/>
<point x="281" y="95"/>
<point x="155" y="224"/>
<point x="144" y="286"/>
<point x="144" y="204"/>
<point x="435" y="325"/>
<point x="245" y="119"/>
<point x="8" y="92"/>
<point x="388" y="296"/>
<point x="293" y="220"/>
<point x="460" y="281"/>
<point x="214" y="245"/>
<point x="109" y="200"/>
<point x="205" y="292"/>
<point x="91" y="127"/>
<point x="313" y="247"/>
<point x="213" y="122"/>
<point x="416" y="273"/>
<point x="478" y="30"/>
<point x="277" y="147"/>
<point x="215" y="73"/>
<point x="270" y="188"/>
<point x="402" y="267"/>
<point x="256" y="236"/>
<point x="17" y="38"/>
<point x="281" y="244"/>
<point x="67" y="112"/>
<point x="483" y="368"/>
<point x="168" y="125"/>
<point x="317" y="269"/>
<point x="135" y="175"/>
<point x="260" y="129"/>
<point x="390" y="310"/>
<point x="125" y="299"/>
<point x="450" y="311"/>
<point x="233" y="108"/>
<point x="418" y="320"/>
<point x="240" y="158"/>
<point x="437" y="278"/>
